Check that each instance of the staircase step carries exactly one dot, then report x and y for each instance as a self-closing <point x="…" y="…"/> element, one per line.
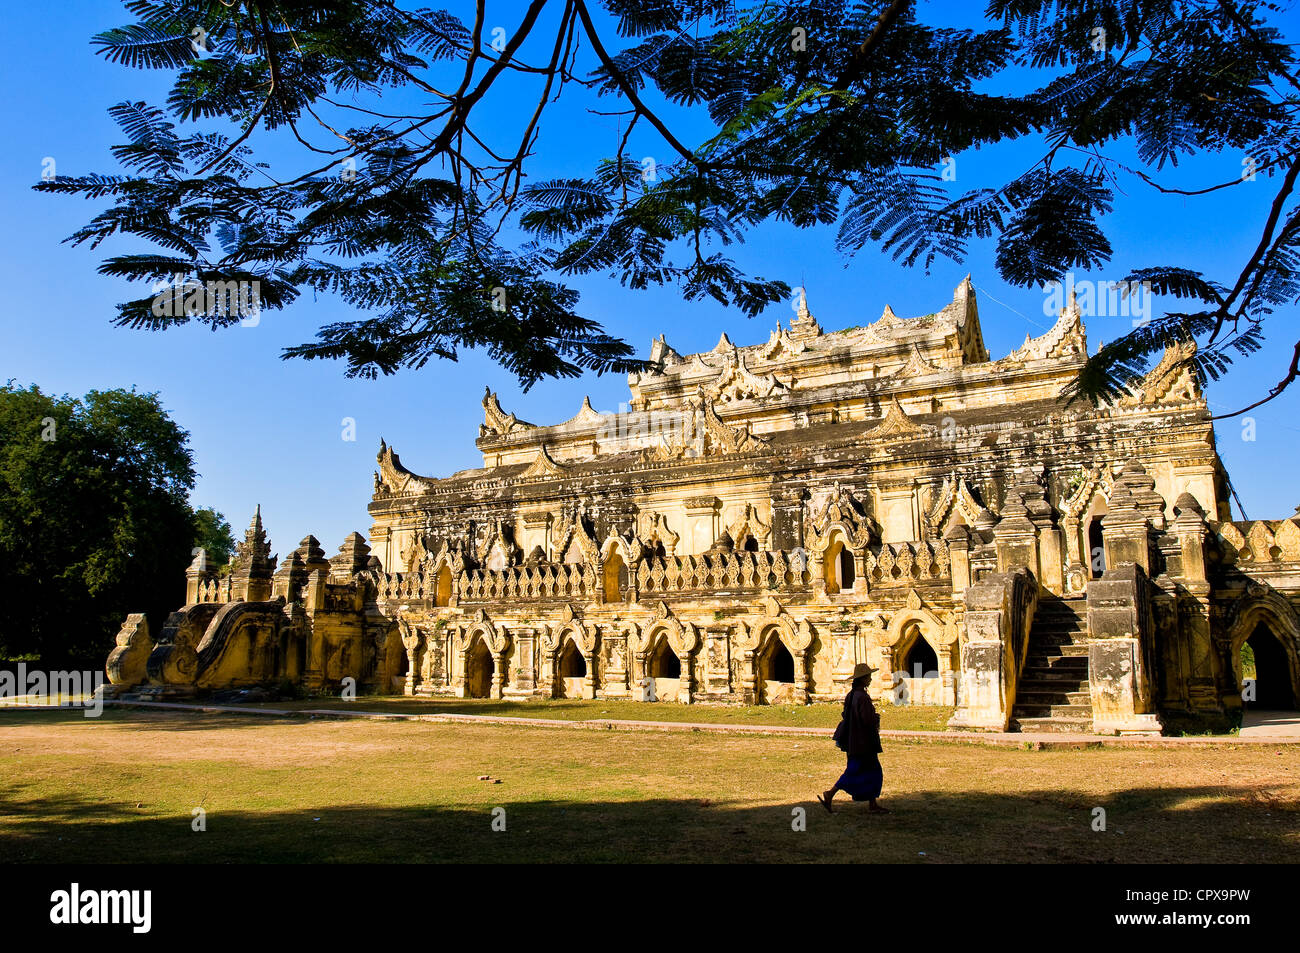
<point x="1053" y="693"/>
<point x="1060" y="656"/>
<point x="1052" y="629"/>
<point x="1052" y="711"/>
<point x="1057" y="650"/>
<point x="1057" y="725"/>
<point x="1067" y="649"/>
<point x="1062" y="666"/>
<point x="1053" y="696"/>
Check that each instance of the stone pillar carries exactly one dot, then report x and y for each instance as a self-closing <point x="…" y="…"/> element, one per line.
<point x="1076" y="574"/>
<point x="843" y="648"/>
<point x="958" y="540"/>
<point x="525" y="640"/>
<point x="589" y="680"/>
<point x="460" y="683"/>
<point x="1016" y="537"/>
<point x="800" y="690"/>
<point x="787" y="517"/>
<point x="686" y="661"/>
<point x="1135" y="514"/>
<point x="498" y="674"/>
<point x="196" y="576"/>
<point x="640" y="673"/>
<point x="817" y="574"/>
<point x="1051" y="560"/>
<point x="997" y="613"/>
<point x="1049" y="565"/>
<point x="984" y="657"/>
<point x="614" y="680"/>
<point x="1192" y="534"/>
<point x="717" y="660"/>
<point x="860" y="572"/>
<point x="748" y="678"/>
<point x="1120" y="653"/>
<point x="412" y="671"/>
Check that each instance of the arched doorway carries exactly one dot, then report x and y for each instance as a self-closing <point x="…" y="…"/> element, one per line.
<point x="442" y="588"/>
<point x="397" y="664"/>
<point x="834" y="566"/>
<point x="1264" y="662"/>
<point x="775" y="673"/>
<point x="479" y="669"/>
<point x="1096" y="548"/>
<point x="920" y="660"/>
<point x="664" y="669"/>
<point x="664" y="662"/>
<point x="571" y="670"/>
<point x="615" y="577"/>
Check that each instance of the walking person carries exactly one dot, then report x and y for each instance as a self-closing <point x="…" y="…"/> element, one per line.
<point x="858" y="736"/>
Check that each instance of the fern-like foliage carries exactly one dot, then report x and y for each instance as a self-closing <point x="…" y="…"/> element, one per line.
<point x="830" y="113"/>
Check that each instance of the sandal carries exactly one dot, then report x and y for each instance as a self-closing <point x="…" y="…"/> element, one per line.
<point x="826" y="803"/>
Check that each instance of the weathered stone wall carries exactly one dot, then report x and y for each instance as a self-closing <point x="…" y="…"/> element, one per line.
<point x="761" y="519"/>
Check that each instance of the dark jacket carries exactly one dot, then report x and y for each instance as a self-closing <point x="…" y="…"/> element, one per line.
<point x="864" y="725"/>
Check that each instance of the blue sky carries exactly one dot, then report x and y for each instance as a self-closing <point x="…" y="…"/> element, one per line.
<point x="271" y="432"/>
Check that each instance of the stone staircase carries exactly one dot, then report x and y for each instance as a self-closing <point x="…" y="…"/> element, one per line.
<point x="1053" y="692"/>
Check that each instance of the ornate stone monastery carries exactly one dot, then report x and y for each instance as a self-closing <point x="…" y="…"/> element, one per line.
<point x="762" y="518"/>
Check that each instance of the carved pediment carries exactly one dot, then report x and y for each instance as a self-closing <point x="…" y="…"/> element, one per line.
<point x="781" y="344"/>
<point x="956" y="496"/>
<point x="586" y="415"/>
<point x="841" y="510"/>
<point x="896" y="423"/>
<point x="543" y="465"/>
<point x="916" y="366"/>
<point x="1170" y="381"/>
<point x="572" y="537"/>
<point x="1066" y="340"/>
<point x="707" y="435"/>
<point x="496" y="422"/>
<point x="747" y="525"/>
<point x="737" y="382"/>
<point x="658" y="533"/>
<point x="395" y="478"/>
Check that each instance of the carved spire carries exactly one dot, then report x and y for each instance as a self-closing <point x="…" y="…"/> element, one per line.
<point x="353" y="556"/>
<point x="804" y="326"/>
<point x="252" y="554"/>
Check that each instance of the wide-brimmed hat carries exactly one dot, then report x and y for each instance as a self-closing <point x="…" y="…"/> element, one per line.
<point x="862" y="668"/>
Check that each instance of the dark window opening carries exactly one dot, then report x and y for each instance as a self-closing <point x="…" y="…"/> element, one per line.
<point x="921" y="655"/>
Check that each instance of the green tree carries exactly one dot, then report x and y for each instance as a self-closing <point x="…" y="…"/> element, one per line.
<point x="213" y="534"/>
<point x="94" y="520"/>
<point x="823" y="112"/>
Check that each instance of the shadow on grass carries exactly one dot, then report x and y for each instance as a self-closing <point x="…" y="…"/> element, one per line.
<point x="152" y="718"/>
<point x="1162" y="825"/>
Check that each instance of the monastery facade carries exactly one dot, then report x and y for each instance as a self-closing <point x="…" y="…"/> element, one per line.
<point x="762" y="518"/>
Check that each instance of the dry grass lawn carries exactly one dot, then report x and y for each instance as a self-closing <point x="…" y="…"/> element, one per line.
<point x="905" y="717"/>
<point x="123" y="787"/>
